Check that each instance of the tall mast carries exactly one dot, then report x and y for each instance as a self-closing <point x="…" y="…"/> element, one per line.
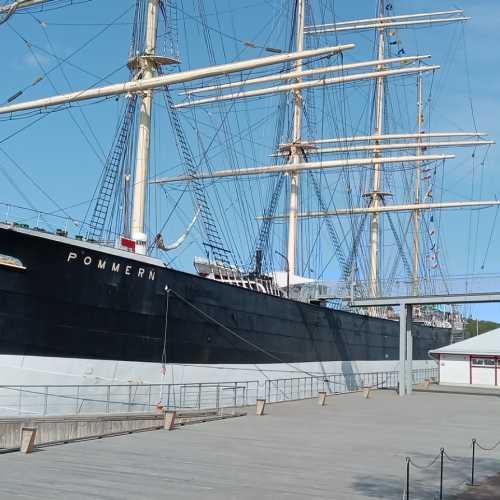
<point x="147" y="65"/>
<point x="416" y="213"/>
<point x="296" y="150"/>
<point x="376" y="195"/>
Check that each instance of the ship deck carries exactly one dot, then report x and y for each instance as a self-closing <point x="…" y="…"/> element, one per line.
<point x="353" y="448"/>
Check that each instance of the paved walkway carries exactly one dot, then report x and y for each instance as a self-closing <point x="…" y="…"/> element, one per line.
<point x="354" y="448"/>
<point x="461" y="389"/>
<point x="489" y="489"/>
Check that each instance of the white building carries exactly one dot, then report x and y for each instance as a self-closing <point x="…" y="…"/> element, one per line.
<point x="475" y="361"/>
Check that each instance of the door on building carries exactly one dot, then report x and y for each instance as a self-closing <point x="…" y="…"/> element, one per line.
<point x="483" y="370"/>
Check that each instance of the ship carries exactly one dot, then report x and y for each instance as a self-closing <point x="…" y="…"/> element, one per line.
<point x="106" y="304"/>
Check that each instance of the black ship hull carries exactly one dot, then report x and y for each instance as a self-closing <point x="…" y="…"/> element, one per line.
<point x="71" y="299"/>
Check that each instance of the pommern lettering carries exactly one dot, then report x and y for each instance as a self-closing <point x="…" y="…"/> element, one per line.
<point x="116" y="267"/>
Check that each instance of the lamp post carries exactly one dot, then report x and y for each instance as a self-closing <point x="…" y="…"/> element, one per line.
<point x="287" y="273"/>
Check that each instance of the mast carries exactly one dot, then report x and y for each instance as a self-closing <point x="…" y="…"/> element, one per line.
<point x="416" y="214"/>
<point x="147" y="65"/>
<point x="295" y="150"/>
<point x="376" y="195"/>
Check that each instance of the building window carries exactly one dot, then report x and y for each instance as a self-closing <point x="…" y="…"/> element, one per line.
<point x="486" y="362"/>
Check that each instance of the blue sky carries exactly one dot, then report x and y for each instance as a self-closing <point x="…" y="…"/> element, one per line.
<point x="65" y="165"/>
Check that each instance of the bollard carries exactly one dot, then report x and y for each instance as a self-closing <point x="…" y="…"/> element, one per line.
<point x="322" y="398"/>
<point x="259" y="407"/>
<point x="169" y="422"/>
<point x="366" y="392"/>
<point x="28" y="435"/>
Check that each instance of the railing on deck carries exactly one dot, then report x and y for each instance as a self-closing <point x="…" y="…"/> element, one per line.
<point x="86" y="399"/>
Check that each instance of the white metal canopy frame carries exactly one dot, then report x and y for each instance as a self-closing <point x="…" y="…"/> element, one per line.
<point x="406" y="304"/>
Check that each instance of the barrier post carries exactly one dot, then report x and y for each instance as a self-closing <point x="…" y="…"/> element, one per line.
<point x="322" y="398"/>
<point x="28" y="435"/>
<point x="441" y="452"/>
<point x="169" y="422"/>
<point x="473" y="462"/>
<point x="260" y="406"/>
<point x="407" y="492"/>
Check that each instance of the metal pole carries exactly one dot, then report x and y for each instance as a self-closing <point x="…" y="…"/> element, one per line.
<point x="376" y="194"/>
<point x="45" y="400"/>
<point x="108" y="398"/>
<point x="416" y="213"/>
<point x="148" y="67"/>
<point x="409" y="349"/>
<point x="473" y="462"/>
<point x="287" y="273"/>
<point x="296" y="150"/>
<point x="402" y="350"/>
<point x="77" y="398"/>
<point x="407" y="496"/>
<point x="441" y="475"/>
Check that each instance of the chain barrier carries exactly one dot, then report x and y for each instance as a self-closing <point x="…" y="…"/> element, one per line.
<point x="473" y="462"/>
<point x="423" y="467"/>
<point x="485" y="448"/>
<point x="409" y="462"/>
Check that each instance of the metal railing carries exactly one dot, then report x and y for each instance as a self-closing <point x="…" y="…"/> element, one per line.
<point x="85" y="399"/>
<point x="292" y="389"/>
<point x="50" y="222"/>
